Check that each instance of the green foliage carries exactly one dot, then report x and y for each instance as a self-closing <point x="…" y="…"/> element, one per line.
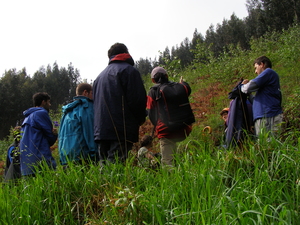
<point x="291" y="126"/>
<point x="14" y="132"/>
<point x="56" y="115"/>
<point x="3" y="148"/>
<point x="208" y="185"/>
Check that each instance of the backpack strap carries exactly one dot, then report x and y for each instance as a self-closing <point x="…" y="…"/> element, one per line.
<point x="156" y="88"/>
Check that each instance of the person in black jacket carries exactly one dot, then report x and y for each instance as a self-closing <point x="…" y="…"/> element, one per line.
<point x="119" y="105"/>
<point x="239" y="121"/>
<point x="160" y="114"/>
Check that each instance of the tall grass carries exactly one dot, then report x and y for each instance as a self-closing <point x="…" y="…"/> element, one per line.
<point x="208" y="186"/>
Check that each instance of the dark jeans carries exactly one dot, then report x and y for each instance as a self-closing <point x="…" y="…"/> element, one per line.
<point x="111" y="151"/>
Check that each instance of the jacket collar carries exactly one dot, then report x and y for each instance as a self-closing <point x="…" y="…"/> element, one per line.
<point x="123" y="57"/>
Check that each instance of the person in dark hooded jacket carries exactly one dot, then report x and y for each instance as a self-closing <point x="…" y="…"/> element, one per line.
<point x="119" y="105"/>
<point x="38" y="135"/>
<point x="239" y="121"/>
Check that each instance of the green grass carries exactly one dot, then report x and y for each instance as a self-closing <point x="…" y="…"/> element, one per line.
<point x="208" y="186"/>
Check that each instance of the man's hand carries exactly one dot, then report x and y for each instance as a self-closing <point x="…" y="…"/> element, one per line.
<point x="245" y="81"/>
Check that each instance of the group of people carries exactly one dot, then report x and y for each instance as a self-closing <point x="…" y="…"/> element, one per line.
<point x="102" y="123"/>
<point x="248" y="114"/>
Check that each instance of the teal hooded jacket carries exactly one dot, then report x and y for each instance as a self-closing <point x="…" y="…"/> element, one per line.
<point x="76" y="133"/>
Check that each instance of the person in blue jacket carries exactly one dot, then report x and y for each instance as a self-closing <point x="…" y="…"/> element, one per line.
<point x="267" y="111"/>
<point x="38" y="135"/>
<point x="119" y="105"/>
<point x="76" y="134"/>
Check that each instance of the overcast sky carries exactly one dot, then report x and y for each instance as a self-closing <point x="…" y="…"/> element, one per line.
<point x="36" y="33"/>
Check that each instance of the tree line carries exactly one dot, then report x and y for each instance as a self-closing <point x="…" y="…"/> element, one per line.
<point x="17" y="89"/>
<point x="263" y="16"/>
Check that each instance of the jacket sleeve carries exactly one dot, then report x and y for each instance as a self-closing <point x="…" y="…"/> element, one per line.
<point x="152" y="109"/>
<point x="135" y="95"/>
<point x="45" y="125"/>
<point x="249" y="87"/>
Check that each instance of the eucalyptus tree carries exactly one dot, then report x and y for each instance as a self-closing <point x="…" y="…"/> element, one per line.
<point x="74" y="80"/>
<point x="144" y="66"/>
<point x="16" y="93"/>
<point x="57" y="85"/>
<point x="271" y="15"/>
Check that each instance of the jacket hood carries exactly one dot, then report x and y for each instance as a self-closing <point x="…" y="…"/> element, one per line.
<point x="31" y="110"/>
<point x="78" y="100"/>
<point x="123" y="57"/>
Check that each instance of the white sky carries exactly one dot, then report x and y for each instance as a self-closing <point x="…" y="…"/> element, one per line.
<point x="36" y="33"/>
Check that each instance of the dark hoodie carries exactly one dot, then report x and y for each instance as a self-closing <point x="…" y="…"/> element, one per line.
<point x="37" y="137"/>
<point x="119" y="101"/>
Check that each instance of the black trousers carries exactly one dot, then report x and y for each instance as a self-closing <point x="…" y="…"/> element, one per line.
<point x="112" y="151"/>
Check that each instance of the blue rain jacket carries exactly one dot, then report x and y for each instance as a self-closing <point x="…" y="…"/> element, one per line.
<point x="267" y="101"/>
<point x="37" y="137"/>
<point x="76" y="134"/>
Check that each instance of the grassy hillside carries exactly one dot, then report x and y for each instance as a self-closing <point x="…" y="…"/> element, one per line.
<point x="212" y="80"/>
<point x="256" y="185"/>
